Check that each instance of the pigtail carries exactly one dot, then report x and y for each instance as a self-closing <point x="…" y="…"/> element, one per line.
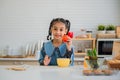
<point x="49" y="37"/>
<point x="68" y="25"/>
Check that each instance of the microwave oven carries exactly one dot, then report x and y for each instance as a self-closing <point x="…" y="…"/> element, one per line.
<point x="105" y="47"/>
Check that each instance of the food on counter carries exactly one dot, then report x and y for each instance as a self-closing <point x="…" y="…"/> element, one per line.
<point x="107" y="72"/>
<point x="98" y="72"/>
<point x="114" y="64"/>
<point x="17" y="68"/>
<point x="114" y="61"/>
<point x="87" y="72"/>
<point x="85" y="64"/>
<point x="117" y="57"/>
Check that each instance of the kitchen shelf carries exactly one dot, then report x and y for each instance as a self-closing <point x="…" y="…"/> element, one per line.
<point x="86" y="39"/>
<point x="79" y="56"/>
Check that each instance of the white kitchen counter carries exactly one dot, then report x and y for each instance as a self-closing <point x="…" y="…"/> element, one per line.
<point x="33" y="59"/>
<point x="50" y="73"/>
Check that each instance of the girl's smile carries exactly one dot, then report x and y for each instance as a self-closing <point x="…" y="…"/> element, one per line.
<point x="57" y="36"/>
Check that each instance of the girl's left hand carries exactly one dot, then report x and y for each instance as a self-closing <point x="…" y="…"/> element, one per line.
<point x="46" y="60"/>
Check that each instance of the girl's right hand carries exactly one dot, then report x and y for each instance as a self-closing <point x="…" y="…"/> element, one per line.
<point x="46" y="60"/>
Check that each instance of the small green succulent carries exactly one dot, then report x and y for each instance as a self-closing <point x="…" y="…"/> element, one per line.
<point x="110" y="27"/>
<point x="101" y="27"/>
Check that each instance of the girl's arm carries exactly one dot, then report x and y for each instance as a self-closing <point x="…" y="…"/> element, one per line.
<point x="44" y="59"/>
<point x="42" y="55"/>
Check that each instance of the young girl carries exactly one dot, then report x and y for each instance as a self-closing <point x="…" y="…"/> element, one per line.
<point x="56" y="48"/>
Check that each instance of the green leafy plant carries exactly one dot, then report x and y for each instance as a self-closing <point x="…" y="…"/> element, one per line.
<point x="92" y="54"/>
<point x="110" y="27"/>
<point x="101" y="27"/>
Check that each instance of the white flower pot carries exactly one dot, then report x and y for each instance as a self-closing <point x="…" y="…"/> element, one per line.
<point x="110" y="32"/>
<point x="101" y="32"/>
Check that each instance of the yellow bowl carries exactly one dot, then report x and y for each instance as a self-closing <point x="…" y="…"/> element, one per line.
<point x="63" y="62"/>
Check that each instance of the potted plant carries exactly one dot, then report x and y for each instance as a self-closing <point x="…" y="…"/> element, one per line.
<point x="110" y="29"/>
<point x="101" y="28"/>
<point x="92" y="59"/>
<point x="92" y="54"/>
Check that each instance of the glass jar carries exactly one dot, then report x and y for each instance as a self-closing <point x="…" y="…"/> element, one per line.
<point x="89" y="34"/>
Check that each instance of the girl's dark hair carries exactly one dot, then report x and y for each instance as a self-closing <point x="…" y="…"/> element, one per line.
<point x="66" y="22"/>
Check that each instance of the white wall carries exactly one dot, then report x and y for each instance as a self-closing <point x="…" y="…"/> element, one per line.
<point x="27" y="21"/>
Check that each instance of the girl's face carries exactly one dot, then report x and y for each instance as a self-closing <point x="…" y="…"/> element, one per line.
<point x="58" y="30"/>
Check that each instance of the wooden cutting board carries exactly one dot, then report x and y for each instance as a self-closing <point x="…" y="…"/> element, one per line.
<point x="116" y="48"/>
<point x="16" y="68"/>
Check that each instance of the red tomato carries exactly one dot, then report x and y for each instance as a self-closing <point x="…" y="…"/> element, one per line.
<point x="65" y="38"/>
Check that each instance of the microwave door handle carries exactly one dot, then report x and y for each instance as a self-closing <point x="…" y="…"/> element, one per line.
<point x="108" y="46"/>
<point x="112" y="45"/>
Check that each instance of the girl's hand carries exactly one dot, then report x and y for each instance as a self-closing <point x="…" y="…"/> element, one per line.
<point x="69" y="43"/>
<point x="46" y="60"/>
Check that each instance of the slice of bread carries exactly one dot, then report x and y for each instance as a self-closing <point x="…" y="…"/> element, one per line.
<point x="17" y="68"/>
